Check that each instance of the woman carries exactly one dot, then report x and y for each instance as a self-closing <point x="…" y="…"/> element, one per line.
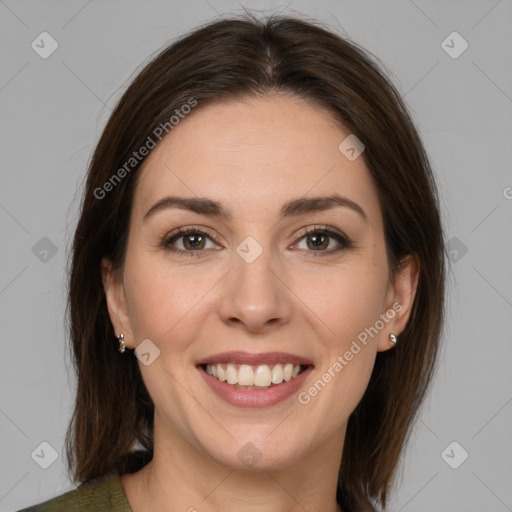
<point x="256" y="291"/>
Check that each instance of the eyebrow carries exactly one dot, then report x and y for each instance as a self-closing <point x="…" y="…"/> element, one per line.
<point x="293" y="208"/>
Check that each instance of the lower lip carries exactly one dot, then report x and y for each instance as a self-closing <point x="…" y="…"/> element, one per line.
<point x="255" y="397"/>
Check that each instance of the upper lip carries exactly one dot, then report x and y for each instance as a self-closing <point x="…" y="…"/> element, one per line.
<point x="255" y="359"/>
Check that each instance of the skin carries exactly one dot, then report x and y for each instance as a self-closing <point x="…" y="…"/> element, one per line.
<point x="252" y="156"/>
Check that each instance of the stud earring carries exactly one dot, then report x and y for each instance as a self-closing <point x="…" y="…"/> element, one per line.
<point x="392" y="338"/>
<point x="122" y="346"/>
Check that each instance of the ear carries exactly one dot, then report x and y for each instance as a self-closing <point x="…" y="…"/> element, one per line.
<point x="399" y="301"/>
<point x="116" y="301"/>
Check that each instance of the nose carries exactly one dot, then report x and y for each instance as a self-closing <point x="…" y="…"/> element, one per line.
<point x="256" y="296"/>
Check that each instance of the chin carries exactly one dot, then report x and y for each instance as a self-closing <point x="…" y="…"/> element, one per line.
<point x="250" y="454"/>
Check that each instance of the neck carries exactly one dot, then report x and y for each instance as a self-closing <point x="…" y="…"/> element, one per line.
<point x="181" y="478"/>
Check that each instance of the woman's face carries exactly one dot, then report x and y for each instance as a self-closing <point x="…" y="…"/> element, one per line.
<point x="251" y="281"/>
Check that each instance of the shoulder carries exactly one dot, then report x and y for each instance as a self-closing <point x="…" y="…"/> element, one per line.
<point x="103" y="493"/>
<point x="66" y="501"/>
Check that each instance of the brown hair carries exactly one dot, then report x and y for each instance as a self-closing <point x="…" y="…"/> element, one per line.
<point x="111" y="429"/>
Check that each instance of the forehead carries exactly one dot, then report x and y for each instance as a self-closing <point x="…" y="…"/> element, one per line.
<point x="254" y="154"/>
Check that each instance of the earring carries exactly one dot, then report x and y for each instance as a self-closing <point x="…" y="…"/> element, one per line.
<point x="120" y="338"/>
<point x="392" y="338"/>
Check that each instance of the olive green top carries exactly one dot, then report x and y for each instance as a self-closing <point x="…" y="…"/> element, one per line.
<point x="105" y="494"/>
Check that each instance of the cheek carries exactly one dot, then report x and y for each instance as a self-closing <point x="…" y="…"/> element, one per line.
<point x="163" y="300"/>
<point x="345" y="301"/>
<point x="353" y="304"/>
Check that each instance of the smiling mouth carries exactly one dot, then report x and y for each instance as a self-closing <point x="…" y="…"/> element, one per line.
<point x="245" y="376"/>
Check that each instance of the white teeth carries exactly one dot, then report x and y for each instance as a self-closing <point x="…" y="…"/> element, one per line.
<point x="288" y="370"/>
<point x="231" y="375"/>
<point x="262" y="376"/>
<point x="221" y="374"/>
<point x="246" y="375"/>
<point x="277" y="374"/>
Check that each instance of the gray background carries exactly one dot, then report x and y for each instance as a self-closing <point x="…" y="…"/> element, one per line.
<point x="53" y="111"/>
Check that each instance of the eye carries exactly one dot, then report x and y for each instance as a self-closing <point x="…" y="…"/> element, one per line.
<point x="192" y="240"/>
<point x="318" y="240"/>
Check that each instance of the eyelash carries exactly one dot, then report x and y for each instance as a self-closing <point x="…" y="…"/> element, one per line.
<point x="342" y="239"/>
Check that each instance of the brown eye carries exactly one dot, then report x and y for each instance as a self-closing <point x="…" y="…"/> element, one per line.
<point x="193" y="242"/>
<point x="319" y="240"/>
